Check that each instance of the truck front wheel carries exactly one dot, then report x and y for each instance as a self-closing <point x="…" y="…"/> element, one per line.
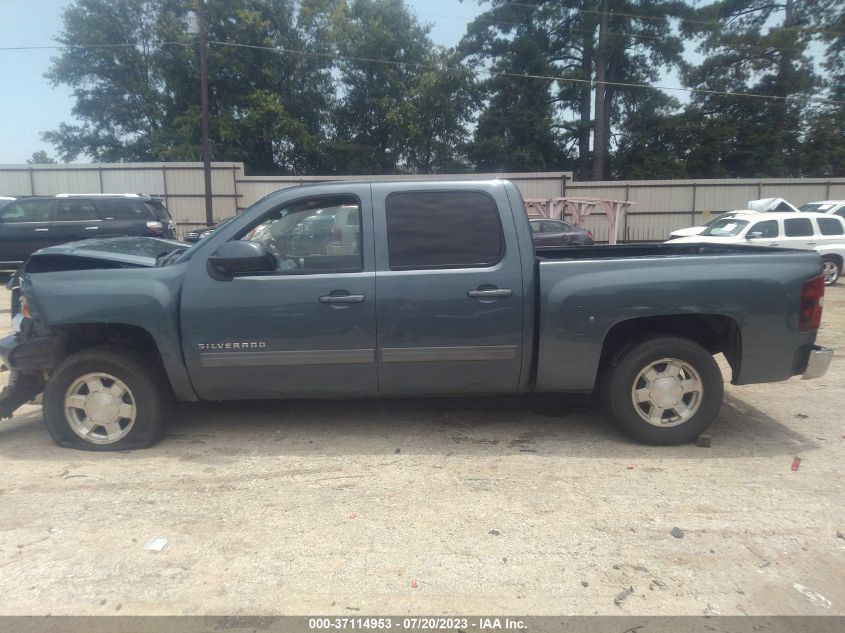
<point x="106" y="399"/>
<point x="663" y="391"/>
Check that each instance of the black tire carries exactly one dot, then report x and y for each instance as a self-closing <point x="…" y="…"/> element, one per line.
<point x="831" y="276"/>
<point x="618" y="383"/>
<point x="148" y="390"/>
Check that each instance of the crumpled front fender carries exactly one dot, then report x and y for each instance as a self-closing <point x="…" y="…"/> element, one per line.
<point x="29" y="359"/>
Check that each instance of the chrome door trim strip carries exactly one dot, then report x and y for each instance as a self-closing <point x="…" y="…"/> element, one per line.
<point x="288" y="358"/>
<point x="448" y="354"/>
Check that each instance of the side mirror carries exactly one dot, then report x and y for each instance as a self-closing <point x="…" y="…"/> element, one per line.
<point x="754" y="235"/>
<point x="240" y="257"/>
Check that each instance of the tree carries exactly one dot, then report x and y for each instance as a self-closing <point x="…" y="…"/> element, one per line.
<point x="116" y="84"/>
<point x="137" y="90"/>
<point x="516" y="128"/>
<point x="762" y="136"/>
<point x="270" y="88"/>
<point x="405" y="104"/>
<point x="438" y="111"/>
<point x="565" y="38"/>
<point x="41" y="158"/>
<point x="823" y="151"/>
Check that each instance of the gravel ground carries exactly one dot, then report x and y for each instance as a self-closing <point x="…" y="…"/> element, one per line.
<point x="497" y="506"/>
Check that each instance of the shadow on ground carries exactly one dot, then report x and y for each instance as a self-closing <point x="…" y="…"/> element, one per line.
<point x="548" y="426"/>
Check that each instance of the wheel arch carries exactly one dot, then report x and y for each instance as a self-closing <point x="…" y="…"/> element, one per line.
<point x="717" y="333"/>
<point x="81" y="336"/>
<point x="834" y="257"/>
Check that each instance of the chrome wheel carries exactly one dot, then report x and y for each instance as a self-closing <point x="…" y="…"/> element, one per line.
<point x="100" y="408"/>
<point x="667" y="392"/>
<point x="830" y="271"/>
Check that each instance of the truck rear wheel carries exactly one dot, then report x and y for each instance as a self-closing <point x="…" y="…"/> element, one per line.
<point x="107" y="399"/>
<point x="663" y="391"/>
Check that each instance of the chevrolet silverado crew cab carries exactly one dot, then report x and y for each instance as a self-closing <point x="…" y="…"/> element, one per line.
<point x="400" y="288"/>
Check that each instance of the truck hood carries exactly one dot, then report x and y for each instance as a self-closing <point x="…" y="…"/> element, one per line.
<point x="693" y="230"/>
<point x="706" y="239"/>
<point x="114" y="252"/>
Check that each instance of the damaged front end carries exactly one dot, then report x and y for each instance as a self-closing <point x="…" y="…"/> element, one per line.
<point x="30" y="358"/>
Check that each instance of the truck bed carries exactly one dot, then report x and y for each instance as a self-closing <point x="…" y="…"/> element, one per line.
<point x="584" y="292"/>
<point x="655" y="249"/>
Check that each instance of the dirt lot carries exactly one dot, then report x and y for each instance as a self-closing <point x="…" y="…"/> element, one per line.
<point x="517" y="505"/>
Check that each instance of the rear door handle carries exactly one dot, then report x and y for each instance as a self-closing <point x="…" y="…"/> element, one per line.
<point x="342" y="299"/>
<point x="811" y="243"/>
<point x="493" y="292"/>
<point x="92" y="228"/>
<point x="41" y="230"/>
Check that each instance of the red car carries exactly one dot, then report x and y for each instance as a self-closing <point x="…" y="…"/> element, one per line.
<point x="557" y="233"/>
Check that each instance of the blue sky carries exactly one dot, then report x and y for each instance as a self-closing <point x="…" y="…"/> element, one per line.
<point x="30" y="105"/>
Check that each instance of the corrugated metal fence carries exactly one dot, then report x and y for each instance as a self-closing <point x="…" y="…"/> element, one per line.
<point x="660" y="206"/>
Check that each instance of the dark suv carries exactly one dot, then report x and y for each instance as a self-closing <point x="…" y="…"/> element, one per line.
<point x="29" y="224"/>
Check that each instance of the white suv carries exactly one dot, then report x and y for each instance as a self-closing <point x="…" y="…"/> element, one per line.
<point x="821" y="232"/>
<point x="786" y="230"/>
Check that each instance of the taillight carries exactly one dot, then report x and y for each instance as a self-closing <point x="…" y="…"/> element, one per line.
<point x="156" y="228"/>
<point x="812" y="299"/>
<point x="337" y="235"/>
<point x="590" y="234"/>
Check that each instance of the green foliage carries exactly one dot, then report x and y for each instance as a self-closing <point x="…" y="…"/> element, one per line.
<point x="536" y="124"/>
<point x="40" y="158"/>
<point x="357" y="86"/>
<point x="407" y="116"/>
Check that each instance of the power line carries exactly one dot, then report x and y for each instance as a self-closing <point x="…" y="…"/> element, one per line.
<point x="391" y="62"/>
<point x="86" y="46"/>
<point x="619" y="84"/>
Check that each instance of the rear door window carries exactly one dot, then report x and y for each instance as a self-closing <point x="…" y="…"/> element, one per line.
<point x="798" y="227"/>
<point x="443" y="229"/>
<point x="831" y="226"/>
<point x="126" y="209"/>
<point x="72" y="210"/>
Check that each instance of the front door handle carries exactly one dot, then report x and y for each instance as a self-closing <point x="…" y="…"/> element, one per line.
<point x="41" y="230"/>
<point x="493" y="292"/>
<point x="811" y="243"/>
<point x="92" y="228"/>
<point x="342" y="299"/>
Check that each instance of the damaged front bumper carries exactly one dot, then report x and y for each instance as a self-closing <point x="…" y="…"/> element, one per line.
<point x="29" y="358"/>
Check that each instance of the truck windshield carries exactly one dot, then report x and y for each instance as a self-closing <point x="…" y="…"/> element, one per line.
<point x="727" y="227"/>
<point x="815" y="207"/>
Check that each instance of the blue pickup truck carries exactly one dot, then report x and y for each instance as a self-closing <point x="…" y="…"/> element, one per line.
<point x="400" y="288"/>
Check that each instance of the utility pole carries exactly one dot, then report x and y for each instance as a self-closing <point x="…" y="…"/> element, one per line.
<point x="206" y="146"/>
<point x="601" y="134"/>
